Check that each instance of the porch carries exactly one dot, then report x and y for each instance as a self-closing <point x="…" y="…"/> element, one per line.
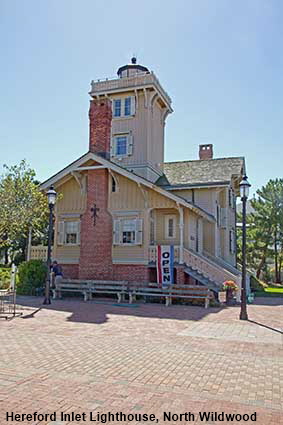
<point x="198" y="266"/>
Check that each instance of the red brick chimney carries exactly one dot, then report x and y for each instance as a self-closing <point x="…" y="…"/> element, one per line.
<point x="100" y="116"/>
<point x="96" y="222"/>
<point x="206" y="151"/>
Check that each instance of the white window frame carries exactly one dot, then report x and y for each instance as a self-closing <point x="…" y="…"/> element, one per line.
<point x="118" y="230"/>
<point x="62" y="232"/>
<point x="128" y="107"/>
<point x="114" y="108"/>
<point x="129" y="145"/>
<point x="167" y="219"/>
<point x="123" y="100"/>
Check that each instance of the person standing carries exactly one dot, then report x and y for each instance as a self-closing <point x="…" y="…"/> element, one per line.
<point x="57" y="273"/>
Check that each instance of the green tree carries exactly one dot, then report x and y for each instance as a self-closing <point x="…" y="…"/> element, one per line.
<point x="269" y="207"/>
<point x="265" y="229"/>
<point x="22" y="206"/>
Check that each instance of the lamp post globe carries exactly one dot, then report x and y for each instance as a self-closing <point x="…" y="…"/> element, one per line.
<point x="51" y="197"/>
<point x="244" y="193"/>
<point x="244" y="188"/>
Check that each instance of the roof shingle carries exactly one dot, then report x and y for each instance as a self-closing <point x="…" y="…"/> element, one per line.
<point x="217" y="170"/>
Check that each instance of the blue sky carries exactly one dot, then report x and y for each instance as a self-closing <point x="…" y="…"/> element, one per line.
<point x="220" y="61"/>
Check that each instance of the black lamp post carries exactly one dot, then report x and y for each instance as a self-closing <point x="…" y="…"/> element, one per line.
<point x="51" y="196"/>
<point x="244" y="192"/>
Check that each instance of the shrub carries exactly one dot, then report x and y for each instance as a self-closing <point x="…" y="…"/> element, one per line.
<point x="5" y="277"/>
<point x="31" y="275"/>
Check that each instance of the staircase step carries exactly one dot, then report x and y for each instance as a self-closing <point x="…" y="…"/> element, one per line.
<point x="202" y="279"/>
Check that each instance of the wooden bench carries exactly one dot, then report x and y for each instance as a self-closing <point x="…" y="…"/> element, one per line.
<point x="148" y="291"/>
<point x="171" y="292"/>
<point x="197" y="292"/>
<point x="90" y="288"/>
<point x="70" y="286"/>
<point x="119" y="288"/>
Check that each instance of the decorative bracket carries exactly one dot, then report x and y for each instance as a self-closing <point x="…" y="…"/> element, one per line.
<point x="81" y="180"/>
<point x="144" y="194"/>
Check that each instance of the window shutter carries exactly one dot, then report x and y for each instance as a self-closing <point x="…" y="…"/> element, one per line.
<point x="223" y="217"/>
<point x="133" y="105"/>
<point x="116" y="232"/>
<point x="139" y="231"/>
<point x="61" y="232"/>
<point x="78" y="232"/>
<point x="130" y="145"/>
<point x="232" y="241"/>
<point x="113" y="146"/>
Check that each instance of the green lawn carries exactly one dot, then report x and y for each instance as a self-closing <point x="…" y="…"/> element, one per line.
<point x="271" y="291"/>
<point x="274" y="289"/>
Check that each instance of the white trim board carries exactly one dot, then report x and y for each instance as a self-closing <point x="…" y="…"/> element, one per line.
<point x="122" y="171"/>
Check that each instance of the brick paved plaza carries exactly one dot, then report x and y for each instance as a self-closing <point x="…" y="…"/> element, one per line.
<point x="98" y="357"/>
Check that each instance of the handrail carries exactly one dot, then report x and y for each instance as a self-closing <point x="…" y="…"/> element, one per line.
<point x="222" y="263"/>
<point x="208" y="269"/>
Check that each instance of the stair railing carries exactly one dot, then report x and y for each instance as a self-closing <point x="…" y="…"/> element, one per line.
<point x="209" y="270"/>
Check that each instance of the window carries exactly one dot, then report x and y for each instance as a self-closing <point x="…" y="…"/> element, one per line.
<point x="114" y="188"/>
<point x="127" y="231"/>
<point x="71" y="232"/>
<point x="170" y="226"/>
<point x="127" y="106"/>
<point x="232" y="241"/>
<point x="68" y="233"/>
<point x="117" y="108"/>
<point x="217" y="214"/>
<point x="121" y="145"/>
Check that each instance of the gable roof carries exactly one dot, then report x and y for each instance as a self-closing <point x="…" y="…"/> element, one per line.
<point x="75" y="166"/>
<point x="205" y="171"/>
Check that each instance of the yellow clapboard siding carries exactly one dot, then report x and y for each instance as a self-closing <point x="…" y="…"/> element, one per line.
<point x="64" y="253"/>
<point x="71" y="199"/>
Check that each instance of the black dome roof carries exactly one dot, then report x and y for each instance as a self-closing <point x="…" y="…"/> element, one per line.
<point x="132" y="65"/>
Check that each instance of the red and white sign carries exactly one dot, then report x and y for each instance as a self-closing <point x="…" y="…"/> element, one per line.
<point x="165" y="264"/>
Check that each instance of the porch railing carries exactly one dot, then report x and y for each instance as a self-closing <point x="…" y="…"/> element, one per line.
<point x="153" y="253"/>
<point x="38" y="252"/>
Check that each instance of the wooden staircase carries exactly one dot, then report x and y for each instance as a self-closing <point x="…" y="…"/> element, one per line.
<point x="208" y="272"/>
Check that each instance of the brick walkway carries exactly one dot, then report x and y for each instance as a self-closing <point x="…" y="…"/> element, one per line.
<point x="98" y="357"/>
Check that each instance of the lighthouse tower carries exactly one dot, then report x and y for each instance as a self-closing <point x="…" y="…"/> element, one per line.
<point x="140" y="106"/>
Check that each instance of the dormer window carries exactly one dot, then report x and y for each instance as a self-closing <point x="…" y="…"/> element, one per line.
<point x="124" y="107"/>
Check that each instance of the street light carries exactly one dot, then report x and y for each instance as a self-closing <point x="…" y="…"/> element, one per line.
<point x="244" y="193"/>
<point x="51" y="196"/>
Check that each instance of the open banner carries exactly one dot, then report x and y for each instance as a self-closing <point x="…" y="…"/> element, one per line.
<point x="165" y="265"/>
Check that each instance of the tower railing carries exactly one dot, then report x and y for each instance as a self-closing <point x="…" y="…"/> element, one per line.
<point x="136" y="80"/>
